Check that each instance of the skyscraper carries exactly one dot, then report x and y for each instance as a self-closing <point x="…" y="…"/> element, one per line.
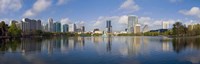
<point x="72" y="27"/>
<point x="29" y="25"/>
<point x="165" y="25"/>
<point x="57" y="27"/>
<point x="45" y="28"/>
<point x="145" y="29"/>
<point x="65" y="28"/>
<point x="132" y="20"/>
<point x="38" y="25"/>
<point x="83" y="28"/>
<point x="108" y="26"/>
<point x="137" y="28"/>
<point x="50" y="25"/>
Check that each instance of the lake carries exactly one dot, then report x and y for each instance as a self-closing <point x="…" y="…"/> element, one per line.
<point x="100" y="50"/>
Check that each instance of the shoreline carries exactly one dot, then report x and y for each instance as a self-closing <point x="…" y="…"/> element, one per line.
<point x="8" y="37"/>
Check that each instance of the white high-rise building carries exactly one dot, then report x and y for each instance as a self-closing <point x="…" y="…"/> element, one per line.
<point x="132" y="21"/>
<point x="137" y="28"/>
<point x="145" y="29"/>
<point x="29" y="25"/>
<point x="45" y="27"/>
<point x="72" y="27"/>
<point x="50" y="25"/>
<point x="165" y="25"/>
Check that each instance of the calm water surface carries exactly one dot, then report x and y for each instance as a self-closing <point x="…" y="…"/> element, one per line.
<point x="99" y="50"/>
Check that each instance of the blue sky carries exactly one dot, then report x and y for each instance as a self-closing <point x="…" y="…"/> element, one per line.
<point x="94" y="13"/>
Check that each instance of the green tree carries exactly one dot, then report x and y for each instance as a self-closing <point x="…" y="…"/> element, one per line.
<point x="179" y="29"/>
<point x="3" y="28"/>
<point x="39" y="32"/>
<point x="14" y="31"/>
<point x="197" y="29"/>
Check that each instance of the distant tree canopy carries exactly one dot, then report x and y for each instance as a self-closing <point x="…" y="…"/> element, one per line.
<point x="3" y="28"/>
<point x="14" y="31"/>
<point x="179" y="29"/>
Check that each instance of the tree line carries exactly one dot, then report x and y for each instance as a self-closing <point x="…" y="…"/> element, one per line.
<point x="179" y="29"/>
<point x="12" y="30"/>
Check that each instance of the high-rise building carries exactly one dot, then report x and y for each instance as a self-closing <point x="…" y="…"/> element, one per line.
<point x="57" y="27"/>
<point x="50" y="25"/>
<point x="29" y="25"/>
<point x="65" y="28"/>
<point x="72" y="27"/>
<point x="38" y="25"/>
<point x="137" y="28"/>
<point x="145" y="29"/>
<point x="83" y="28"/>
<point x="45" y="27"/>
<point x="108" y="26"/>
<point x="132" y="20"/>
<point x="165" y="25"/>
<point x="23" y="26"/>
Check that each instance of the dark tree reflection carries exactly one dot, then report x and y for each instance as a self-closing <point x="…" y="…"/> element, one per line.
<point x="180" y="44"/>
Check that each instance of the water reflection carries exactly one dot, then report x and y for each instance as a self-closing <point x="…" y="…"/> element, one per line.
<point x="181" y="44"/>
<point x="126" y="45"/>
<point x="113" y="49"/>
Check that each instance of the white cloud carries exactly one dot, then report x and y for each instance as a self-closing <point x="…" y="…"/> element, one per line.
<point x="65" y="21"/>
<point x="10" y="5"/>
<point x="116" y="22"/>
<point x="103" y="19"/>
<point x="60" y="2"/>
<point x="194" y="11"/>
<point x="119" y="23"/>
<point x="38" y="6"/>
<point x="145" y="20"/>
<point x="130" y="6"/>
<point x="123" y="19"/>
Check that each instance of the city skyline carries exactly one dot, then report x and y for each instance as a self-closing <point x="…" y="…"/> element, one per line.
<point x="69" y="11"/>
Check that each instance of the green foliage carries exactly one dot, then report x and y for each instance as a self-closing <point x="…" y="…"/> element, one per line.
<point x="3" y="29"/>
<point x="86" y="34"/>
<point x="179" y="29"/>
<point x="151" y="34"/>
<point x="97" y="34"/>
<point x="14" y="31"/>
<point x="38" y="32"/>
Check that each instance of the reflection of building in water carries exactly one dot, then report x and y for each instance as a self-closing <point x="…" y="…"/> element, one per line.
<point x="134" y="45"/>
<point x="97" y="39"/>
<point x="81" y="42"/>
<point x="28" y="45"/>
<point x="76" y="42"/>
<point x="145" y="41"/>
<point x="165" y="44"/>
<point x="64" y="45"/>
<point x="109" y="44"/>
<point x="57" y="44"/>
<point x="50" y="46"/>
<point x="71" y="43"/>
